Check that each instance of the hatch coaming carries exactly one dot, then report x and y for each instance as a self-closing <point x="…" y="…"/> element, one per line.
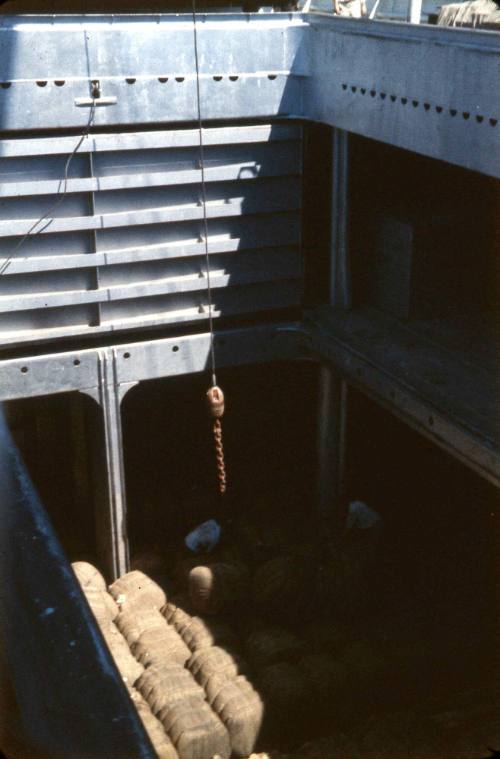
<point x="426" y="89"/>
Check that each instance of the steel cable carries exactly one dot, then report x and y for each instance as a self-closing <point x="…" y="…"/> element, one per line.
<point x="47" y="214"/>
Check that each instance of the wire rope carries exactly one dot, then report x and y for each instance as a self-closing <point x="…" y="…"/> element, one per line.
<point x="47" y="214"/>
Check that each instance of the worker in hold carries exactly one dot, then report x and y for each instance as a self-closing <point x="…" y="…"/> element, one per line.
<point x="349" y="8"/>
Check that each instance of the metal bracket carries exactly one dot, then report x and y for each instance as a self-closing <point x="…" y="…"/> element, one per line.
<point x="82" y="102"/>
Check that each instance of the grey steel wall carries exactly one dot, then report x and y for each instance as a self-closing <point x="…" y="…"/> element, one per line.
<point x="125" y="247"/>
<point x="426" y="89"/>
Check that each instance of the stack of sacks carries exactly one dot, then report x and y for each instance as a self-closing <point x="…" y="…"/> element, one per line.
<point x="162" y="744"/>
<point x="152" y="641"/>
<point x="287" y="694"/>
<point x="189" y="694"/>
<point x="179" y="703"/>
<point x="230" y="695"/>
<point x="173" y="696"/>
<point x="195" y="631"/>
<point x="106" y="612"/>
<point x="283" y="683"/>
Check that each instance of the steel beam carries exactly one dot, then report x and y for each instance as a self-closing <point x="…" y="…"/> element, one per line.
<point x="332" y="411"/>
<point x="80" y="370"/>
<point x="111" y="516"/>
<point x="146" y="68"/>
<point x="439" y="393"/>
<point x="340" y="276"/>
<point x="107" y="374"/>
<point x="426" y="89"/>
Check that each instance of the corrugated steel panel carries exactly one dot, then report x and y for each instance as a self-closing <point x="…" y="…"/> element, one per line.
<point x="124" y="247"/>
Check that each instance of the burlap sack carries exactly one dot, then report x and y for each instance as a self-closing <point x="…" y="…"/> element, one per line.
<point x="88" y="576"/>
<point x="163" y="686"/>
<point x="285" y="690"/>
<point x="213" y="587"/>
<point x="132" y="625"/>
<point x="195" y="731"/>
<point x="212" y="661"/>
<point x="160" y="646"/>
<point x="101" y="603"/>
<point x="200" y="633"/>
<point x="241" y="711"/>
<point x="128" y="667"/>
<point x="175" y="615"/>
<point x="161" y="742"/>
<point x="138" y="592"/>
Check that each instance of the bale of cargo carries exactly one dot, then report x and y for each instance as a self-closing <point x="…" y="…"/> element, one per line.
<point x="137" y="591"/>
<point x="102" y="605"/>
<point x="132" y="625"/>
<point x="241" y="710"/>
<point x="199" y="633"/>
<point x="129" y="668"/>
<point x="163" y="686"/>
<point x="195" y="730"/>
<point x="285" y="691"/>
<point x="159" y="646"/>
<point x="88" y="576"/>
<point x="212" y="661"/>
<point x="272" y="644"/>
<point x="214" y="587"/>
<point x="162" y="744"/>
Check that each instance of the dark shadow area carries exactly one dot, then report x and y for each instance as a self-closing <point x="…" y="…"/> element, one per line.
<point x="60" y="438"/>
<point x="316" y="212"/>
<point x="426" y="250"/>
<point x="363" y="643"/>
<point x="438" y="571"/>
<point x="170" y="459"/>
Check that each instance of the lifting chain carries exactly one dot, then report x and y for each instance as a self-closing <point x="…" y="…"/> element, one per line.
<point x="215" y="398"/>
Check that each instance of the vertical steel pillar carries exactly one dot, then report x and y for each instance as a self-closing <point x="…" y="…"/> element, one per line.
<point x="340" y="278"/>
<point x="111" y="518"/>
<point x="332" y="388"/>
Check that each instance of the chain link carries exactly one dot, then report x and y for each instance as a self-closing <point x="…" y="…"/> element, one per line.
<point x="219" y="455"/>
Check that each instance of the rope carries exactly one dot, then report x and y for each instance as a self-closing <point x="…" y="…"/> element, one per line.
<point x="204" y="199"/>
<point x="58" y="202"/>
<point x="215" y="396"/>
